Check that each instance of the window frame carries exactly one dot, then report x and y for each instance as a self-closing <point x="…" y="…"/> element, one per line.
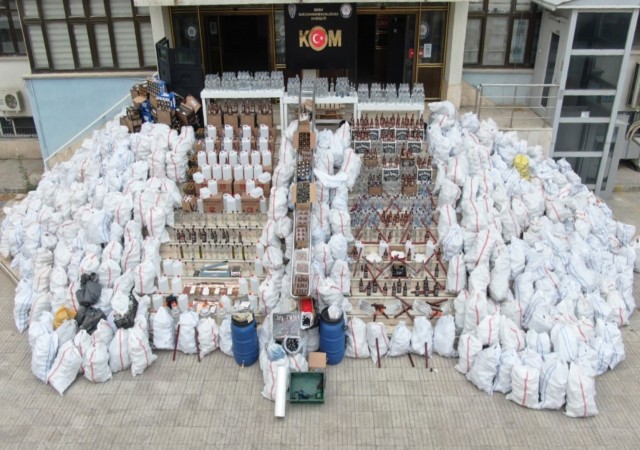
<point x="533" y="15"/>
<point x="89" y="22"/>
<point x="5" y="7"/>
<point x="27" y="131"/>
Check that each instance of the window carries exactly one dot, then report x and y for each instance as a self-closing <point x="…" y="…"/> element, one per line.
<point x="82" y="35"/>
<point x="501" y="33"/>
<point x="11" y="39"/>
<point x="17" y="127"/>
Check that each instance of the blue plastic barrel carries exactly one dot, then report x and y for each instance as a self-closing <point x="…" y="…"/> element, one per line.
<point x="244" y="336"/>
<point x="332" y="337"/>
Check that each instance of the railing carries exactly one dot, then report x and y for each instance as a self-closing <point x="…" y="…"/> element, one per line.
<point x="510" y="105"/>
<point x="65" y="151"/>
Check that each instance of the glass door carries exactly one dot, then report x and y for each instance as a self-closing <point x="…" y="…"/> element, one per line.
<point x="591" y="94"/>
<point x="430" y="54"/>
<point x="547" y="73"/>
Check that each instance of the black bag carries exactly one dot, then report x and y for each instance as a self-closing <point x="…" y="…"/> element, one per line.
<point x="90" y="289"/>
<point x="127" y="320"/>
<point x="90" y="319"/>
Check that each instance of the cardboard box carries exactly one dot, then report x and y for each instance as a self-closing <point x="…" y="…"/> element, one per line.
<point x="240" y="187"/>
<point x="215" y="120"/>
<point x="266" y="119"/>
<point x="213" y="204"/>
<point x="230" y="119"/>
<point x="317" y="361"/>
<point x="266" y="188"/>
<point x="198" y="186"/>
<point x="225" y="187"/>
<point x="247" y="119"/>
<point x="189" y="203"/>
<point x="250" y="205"/>
<point x="199" y="146"/>
<point x="192" y="103"/>
<point x="135" y="92"/>
<point x="153" y="99"/>
<point x="165" y="117"/>
<point x="139" y="100"/>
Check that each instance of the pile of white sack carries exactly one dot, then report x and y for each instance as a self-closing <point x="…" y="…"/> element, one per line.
<point x="336" y="167"/>
<point x="543" y="272"/>
<point x="87" y="216"/>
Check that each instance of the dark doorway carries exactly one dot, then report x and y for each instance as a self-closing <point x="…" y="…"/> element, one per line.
<point x="384" y="41"/>
<point x="245" y="43"/>
<point x="366" y="54"/>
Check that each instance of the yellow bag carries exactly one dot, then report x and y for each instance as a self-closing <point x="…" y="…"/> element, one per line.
<point x="521" y="163"/>
<point x="63" y="314"/>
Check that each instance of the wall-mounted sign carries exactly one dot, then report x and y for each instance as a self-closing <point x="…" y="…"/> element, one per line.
<point x="322" y="36"/>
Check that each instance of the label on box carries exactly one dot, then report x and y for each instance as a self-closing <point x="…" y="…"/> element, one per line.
<point x="374" y="134"/>
<point x="389" y="148"/>
<point x="402" y="134"/>
<point x="391" y="175"/>
<point x="424" y="175"/>
<point x="414" y="146"/>
<point x="361" y="147"/>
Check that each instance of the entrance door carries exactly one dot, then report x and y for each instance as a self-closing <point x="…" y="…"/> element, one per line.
<point x="236" y="43"/>
<point x="549" y="65"/>
<point x="384" y="43"/>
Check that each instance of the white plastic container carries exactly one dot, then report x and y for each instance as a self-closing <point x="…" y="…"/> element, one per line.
<point x="211" y="131"/>
<point x="228" y="132"/>
<point x="163" y="284"/>
<point x="202" y="159"/>
<point x="176" y="285"/>
<point x="167" y="267"/>
<point x="178" y="267"/>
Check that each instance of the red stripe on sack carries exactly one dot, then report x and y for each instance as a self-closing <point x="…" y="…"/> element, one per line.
<point x="517" y="337"/>
<point x="484" y="246"/>
<point x="455" y="170"/>
<point x="144" y="349"/>
<point x="584" y="400"/>
<point x="120" y="345"/>
<point x="457" y="272"/>
<point x="273" y="380"/>
<point x="524" y="396"/>
<point x="151" y="230"/>
<point x="476" y="215"/>
<point x="53" y="372"/>
<point x="550" y="277"/>
<point x="93" y="377"/>
<point x="353" y="333"/>
<point x="126" y="260"/>
<point x="468" y="355"/>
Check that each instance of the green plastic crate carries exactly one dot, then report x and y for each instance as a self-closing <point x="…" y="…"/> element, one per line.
<point x="306" y="387"/>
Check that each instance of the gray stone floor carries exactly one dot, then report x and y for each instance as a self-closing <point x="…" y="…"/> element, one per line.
<point x="216" y="404"/>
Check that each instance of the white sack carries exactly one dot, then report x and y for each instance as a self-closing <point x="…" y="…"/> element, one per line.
<point x="65" y="367"/>
<point x="581" y="392"/>
<point x="524" y="382"/>
<point x="468" y="347"/>
<point x="485" y="368"/>
<point x="189" y="321"/>
<point x="377" y="332"/>
<point x="207" y="336"/>
<point x="444" y="335"/>
<point x="96" y="363"/>
<point x="119" y="351"/>
<point x="400" y="340"/>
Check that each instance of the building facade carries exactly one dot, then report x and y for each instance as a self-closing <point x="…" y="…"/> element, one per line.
<point x="81" y="56"/>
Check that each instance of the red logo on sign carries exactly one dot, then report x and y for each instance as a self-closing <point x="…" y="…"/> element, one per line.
<point x="318" y="38"/>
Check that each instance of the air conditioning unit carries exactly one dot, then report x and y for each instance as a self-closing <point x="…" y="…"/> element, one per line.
<point x="10" y="101"/>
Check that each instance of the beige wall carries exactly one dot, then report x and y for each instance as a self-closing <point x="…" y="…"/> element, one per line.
<point x="28" y="148"/>
<point x="12" y="70"/>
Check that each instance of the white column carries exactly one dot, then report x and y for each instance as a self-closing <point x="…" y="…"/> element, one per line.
<point x="456" y="32"/>
<point x="160" y="23"/>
